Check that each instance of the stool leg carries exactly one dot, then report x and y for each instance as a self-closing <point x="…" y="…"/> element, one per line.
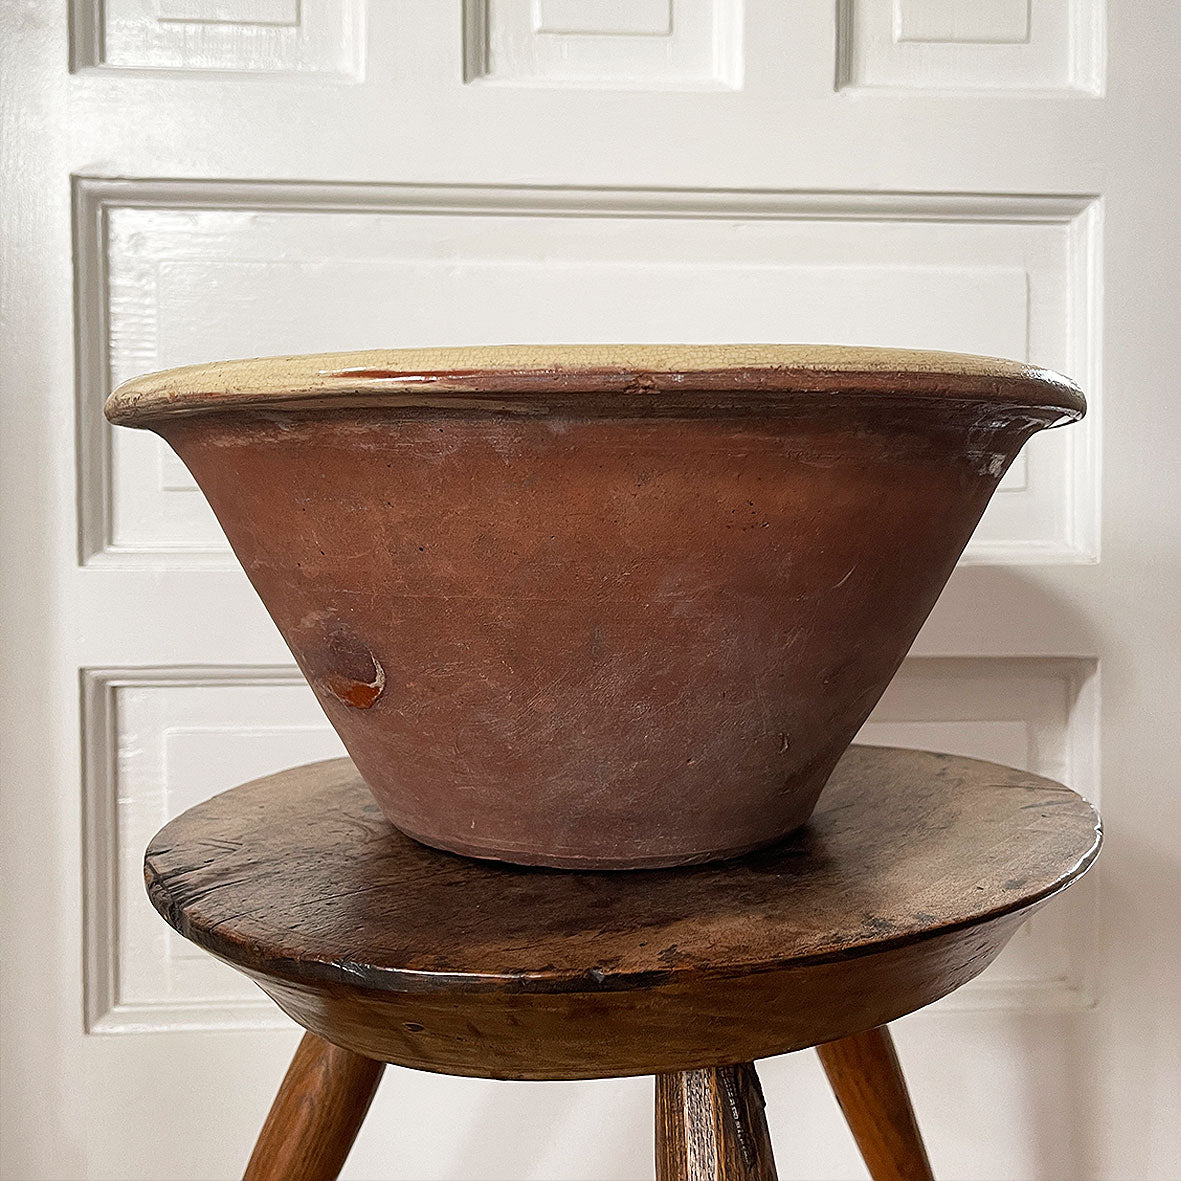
<point x="316" y="1115"/>
<point x="710" y="1126"/>
<point x="867" y="1081"/>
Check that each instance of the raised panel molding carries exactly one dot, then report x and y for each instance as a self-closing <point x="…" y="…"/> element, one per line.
<point x="230" y="12"/>
<point x="160" y="740"/>
<point x="981" y="45"/>
<point x="606" y="17"/>
<point x="628" y="44"/>
<point x="314" y="37"/>
<point x="965" y="22"/>
<point x="157" y="741"/>
<point x="187" y="271"/>
<point x="1039" y="714"/>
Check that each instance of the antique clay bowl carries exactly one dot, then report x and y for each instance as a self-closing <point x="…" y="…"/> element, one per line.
<point x="600" y="607"/>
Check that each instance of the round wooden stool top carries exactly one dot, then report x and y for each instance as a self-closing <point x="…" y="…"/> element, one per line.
<point x="908" y="880"/>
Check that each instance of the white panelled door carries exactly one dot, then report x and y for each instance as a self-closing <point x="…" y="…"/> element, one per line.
<point x="186" y="180"/>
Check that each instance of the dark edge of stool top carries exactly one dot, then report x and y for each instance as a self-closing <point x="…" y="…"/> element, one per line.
<point x="299" y="877"/>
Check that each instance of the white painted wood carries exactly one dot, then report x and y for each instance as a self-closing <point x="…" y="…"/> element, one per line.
<point x="970" y="22"/>
<point x="319" y="37"/>
<point x="637" y="44"/>
<point x="954" y="181"/>
<point x="159" y="741"/>
<point x="640" y="18"/>
<point x="1011" y="277"/>
<point x="227" y="12"/>
<point x="1026" y="45"/>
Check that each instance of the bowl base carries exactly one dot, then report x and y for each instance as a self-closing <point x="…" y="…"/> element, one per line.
<point x="545" y="860"/>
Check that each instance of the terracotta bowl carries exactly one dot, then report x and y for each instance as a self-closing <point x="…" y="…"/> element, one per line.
<point x="599" y="607"/>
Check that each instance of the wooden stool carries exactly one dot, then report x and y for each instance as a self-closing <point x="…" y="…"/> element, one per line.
<point x="909" y="879"/>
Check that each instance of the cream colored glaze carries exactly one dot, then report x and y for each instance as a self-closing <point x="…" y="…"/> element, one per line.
<point x="470" y="369"/>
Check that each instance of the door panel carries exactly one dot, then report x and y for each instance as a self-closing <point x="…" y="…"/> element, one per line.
<point x="186" y="180"/>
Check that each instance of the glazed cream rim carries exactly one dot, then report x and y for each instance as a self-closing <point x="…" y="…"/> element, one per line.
<point x="432" y="377"/>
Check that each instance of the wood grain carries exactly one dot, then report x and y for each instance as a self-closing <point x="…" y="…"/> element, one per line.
<point x="867" y="1081"/>
<point x="711" y="1126"/>
<point x="316" y="1115"/>
<point x="907" y="882"/>
<point x="699" y="1020"/>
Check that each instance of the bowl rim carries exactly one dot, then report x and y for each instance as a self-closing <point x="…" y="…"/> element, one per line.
<point x="597" y="377"/>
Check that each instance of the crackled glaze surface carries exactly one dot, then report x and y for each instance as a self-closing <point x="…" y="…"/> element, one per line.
<point x="570" y="610"/>
<point x="419" y="376"/>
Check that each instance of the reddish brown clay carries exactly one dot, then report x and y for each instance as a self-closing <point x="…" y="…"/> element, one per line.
<point x="598" y="615"/>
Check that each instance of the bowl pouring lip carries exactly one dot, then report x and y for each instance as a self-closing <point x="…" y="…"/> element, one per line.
<point x="596" y="379"/>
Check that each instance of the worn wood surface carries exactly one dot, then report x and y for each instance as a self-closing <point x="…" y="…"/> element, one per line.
<point x="316" y="1115"/>
<point x="711" y="1126"/>
<point x="911" y="876"/>
<point x="867" y="1081"/>
<point x="698" y="1020"/>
